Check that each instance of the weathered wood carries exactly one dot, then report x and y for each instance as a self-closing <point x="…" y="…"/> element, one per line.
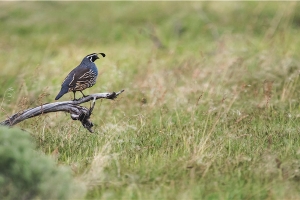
<point x="76" y="111"/>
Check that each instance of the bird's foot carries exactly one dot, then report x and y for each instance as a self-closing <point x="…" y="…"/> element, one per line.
<point x="80" y="98"/>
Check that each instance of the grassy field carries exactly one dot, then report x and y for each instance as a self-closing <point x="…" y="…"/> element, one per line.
<point x="211" y="103"/>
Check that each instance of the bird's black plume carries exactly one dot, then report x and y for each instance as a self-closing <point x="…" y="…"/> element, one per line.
<point x="102" y="54"/>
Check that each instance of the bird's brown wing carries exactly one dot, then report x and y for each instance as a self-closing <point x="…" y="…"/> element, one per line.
<point x="80" y="79"/>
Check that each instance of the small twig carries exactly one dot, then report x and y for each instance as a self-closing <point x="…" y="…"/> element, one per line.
<point x="76" y="111"/>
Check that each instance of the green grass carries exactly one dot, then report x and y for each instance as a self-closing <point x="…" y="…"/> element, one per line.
<point x="211" y="102"/>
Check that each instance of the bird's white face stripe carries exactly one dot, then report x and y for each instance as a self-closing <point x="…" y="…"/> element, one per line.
<point x="90" y="57"/>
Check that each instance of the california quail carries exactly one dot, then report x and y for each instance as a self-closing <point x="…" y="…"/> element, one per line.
<point x="81" y="77"/>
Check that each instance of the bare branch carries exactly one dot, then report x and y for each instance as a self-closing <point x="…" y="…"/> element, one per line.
<point x="76" y="111"/>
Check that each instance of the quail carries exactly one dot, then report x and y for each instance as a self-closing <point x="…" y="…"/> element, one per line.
<point x="81" y="77"/>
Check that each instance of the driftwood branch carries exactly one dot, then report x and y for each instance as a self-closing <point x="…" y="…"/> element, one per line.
<point x="76" y="111"/>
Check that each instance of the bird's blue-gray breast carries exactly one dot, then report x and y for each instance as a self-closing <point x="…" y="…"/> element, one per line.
<point x="94" y="69"/>
<point x="91" y="65"/>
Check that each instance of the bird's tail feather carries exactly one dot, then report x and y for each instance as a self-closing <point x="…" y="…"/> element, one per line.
<point x="63" y="91"/>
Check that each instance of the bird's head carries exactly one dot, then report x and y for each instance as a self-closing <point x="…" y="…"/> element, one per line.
<point x="94" y="56"/>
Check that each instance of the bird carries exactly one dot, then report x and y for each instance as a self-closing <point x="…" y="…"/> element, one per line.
<point x="81" y="77"/>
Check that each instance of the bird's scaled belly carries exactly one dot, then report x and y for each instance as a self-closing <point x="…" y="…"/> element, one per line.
<point x="80" y="86"/>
